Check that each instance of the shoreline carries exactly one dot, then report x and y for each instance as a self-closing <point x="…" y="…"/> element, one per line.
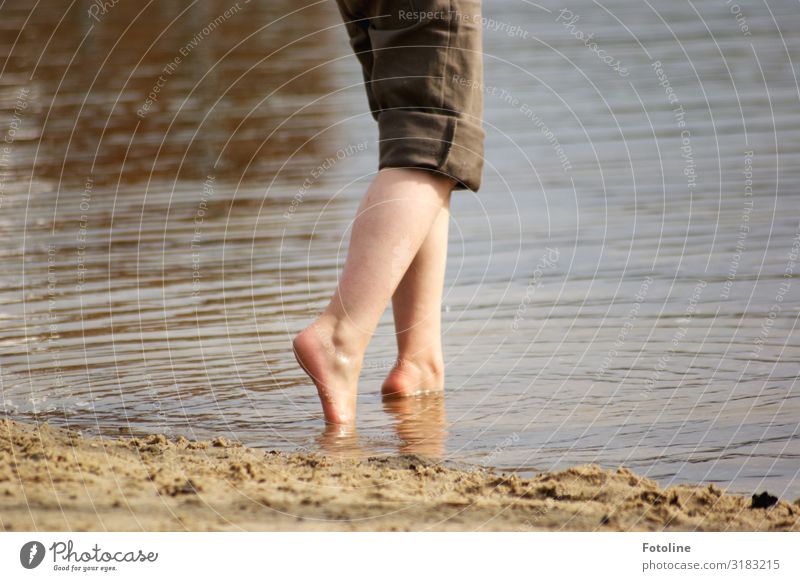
<point x="57" y="479"/>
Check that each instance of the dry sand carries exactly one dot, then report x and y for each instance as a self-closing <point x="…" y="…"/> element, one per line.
<point x="52" y="479"/>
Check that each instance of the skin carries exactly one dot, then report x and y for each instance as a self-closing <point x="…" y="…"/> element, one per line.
<point x="417" y="307"/>
<point x="397" y="252"/>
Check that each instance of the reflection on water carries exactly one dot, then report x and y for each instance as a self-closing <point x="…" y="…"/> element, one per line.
<point x="420" y="423"/>
<point x="164" y="92"/>
<point x="340" y="442"/>
<point x="177" y="182"/>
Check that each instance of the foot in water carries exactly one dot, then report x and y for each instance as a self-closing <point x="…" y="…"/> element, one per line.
<point x="334" y="372"/>
<point x="411" y="377"/>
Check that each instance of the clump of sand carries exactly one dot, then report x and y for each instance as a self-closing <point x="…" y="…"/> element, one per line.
<point x="54" y="479"/>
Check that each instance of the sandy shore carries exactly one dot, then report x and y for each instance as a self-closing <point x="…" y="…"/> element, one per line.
<point x="52" y="479"/>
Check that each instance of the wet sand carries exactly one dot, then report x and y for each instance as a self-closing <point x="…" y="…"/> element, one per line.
<point x="55" y="479"/>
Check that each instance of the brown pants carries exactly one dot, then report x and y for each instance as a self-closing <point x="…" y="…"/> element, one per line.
<point x="423" y="71"/>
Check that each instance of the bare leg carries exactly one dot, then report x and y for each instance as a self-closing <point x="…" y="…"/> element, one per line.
<point x="417" y="306"/>
<point x="393" y="220"/>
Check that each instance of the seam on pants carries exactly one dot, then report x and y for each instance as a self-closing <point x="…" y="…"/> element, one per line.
<point x="450" y="133"/>
<point x="447" y="53"/>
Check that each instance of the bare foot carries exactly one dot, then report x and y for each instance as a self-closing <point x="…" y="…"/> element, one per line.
<point x="334" y="372"/>
<point x="409" y="377"/>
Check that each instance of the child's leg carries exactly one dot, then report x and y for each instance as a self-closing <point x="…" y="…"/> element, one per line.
<point x="417" y="306"/>
<point x="423" y="75"/>
<point x="394" y="219"/>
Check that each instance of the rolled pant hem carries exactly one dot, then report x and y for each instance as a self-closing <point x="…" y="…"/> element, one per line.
<point x="445" y="143"/>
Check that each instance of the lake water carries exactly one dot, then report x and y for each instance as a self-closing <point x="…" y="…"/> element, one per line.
<point x="177" y="184"/>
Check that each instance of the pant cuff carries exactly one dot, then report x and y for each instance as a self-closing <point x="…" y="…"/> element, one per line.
<point x="445" y="143"/>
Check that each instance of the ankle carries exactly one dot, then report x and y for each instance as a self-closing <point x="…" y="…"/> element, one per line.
<point x="339" y="338"/>
<point x="425" y="365"/>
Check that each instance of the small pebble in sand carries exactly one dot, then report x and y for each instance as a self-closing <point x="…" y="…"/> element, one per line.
<point x="763" y="500"/>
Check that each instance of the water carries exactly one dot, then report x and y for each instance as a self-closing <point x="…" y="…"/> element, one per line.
<point x="610" y="296"/>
